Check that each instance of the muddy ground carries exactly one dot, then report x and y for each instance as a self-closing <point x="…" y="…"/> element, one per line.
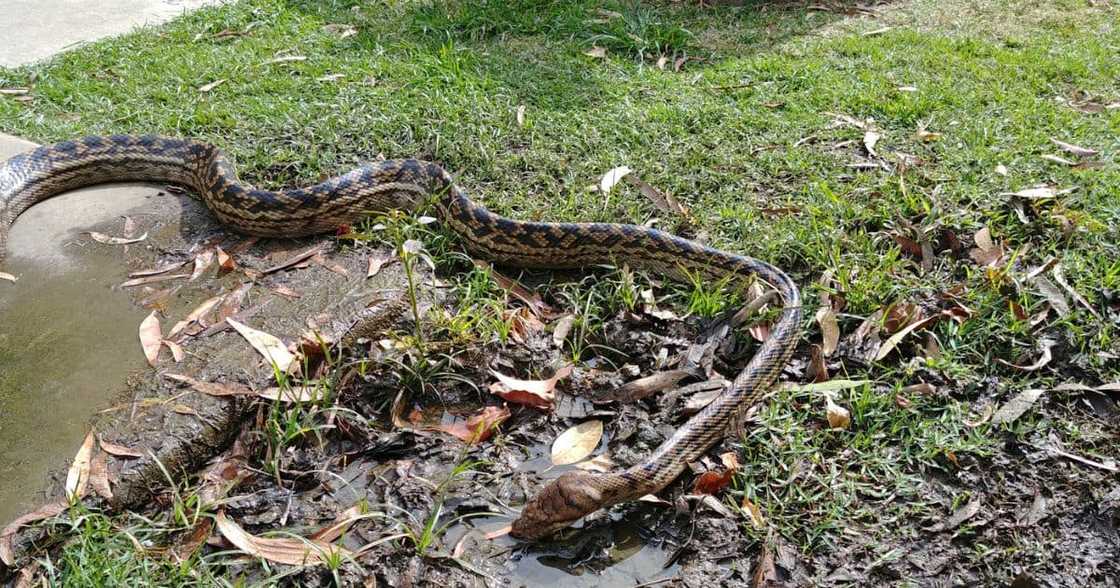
<point x="1033" y="516"/>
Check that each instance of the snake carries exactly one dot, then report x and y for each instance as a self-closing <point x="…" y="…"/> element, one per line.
<point x="408" y="184"/>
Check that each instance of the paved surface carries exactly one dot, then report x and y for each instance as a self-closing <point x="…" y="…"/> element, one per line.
<point x="42" y="233"/>
<point x="32" y="30"/>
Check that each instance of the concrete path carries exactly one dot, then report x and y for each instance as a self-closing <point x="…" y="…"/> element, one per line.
<point x="33" y="30"/>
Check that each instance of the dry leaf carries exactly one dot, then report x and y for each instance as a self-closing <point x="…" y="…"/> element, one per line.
<point x="295" y="259"/>
<point x="163" y="269"/>
<point x="341" y="523"/>
<point x="212" y="388"/>
<point x="643" y="387"/>
<point x="1053" y="294"/>
<point x="889" y="345"/>
<point x="663" y="202"/>
<point x="319" y="259"/>
<point x="765" y="574"/>
<point x="662" y="61"/>
<point x="1002" y="170"/>
<point x="477" y="427"/>
<point x="208" y="87"/>
<point x="376" y="262"/>
<point x="151" y="338"/>
<point x="177" y="352"/>
<point x="43" y="512"/>
<point x="1059" y="160"/>
<point x="284" y="550"/>
<point x="342" y="30"/>
<point x="1017" y="406"/>
<point x="753" y="513"/>
<point x="291" y="395"/>
<point x="78" y="475"/>
<point x="829" y="386"/>
<point x="838" y="417"/>
<point x="285" y="59"/>
<point x="830" y="330"/>
<point x="194" y="316"/>
<point x="8" y="277"/>
<point x="1033" y="193"/>
<point x="534" y="393"/>
<point x="1058" y="277"/>
<point x="520" y="115"/>
<point x="612" y="178"/>
<point x="202" y="261"/>
<point x="963" y="514"/>
<point x="226" y="263"/>
<point x="596" y="52"/>
<point x="152" y="280"/>
<point x="99" y="476"/>
<point x="927" y="136"/>
<point x="530" y="298"/>
<point x="286" y="292"/>
<point x="1074" y="149"/>
<point x="269" y="346"/>
<point x="870" y="140"/>
<point x="817" y="370"/>
<point x="712" y="481"/>
<point x="577" y="442"/>
<point x="563" y="326"/>
<point x="1043" y="359"/>
<point x="118" y="450"/>
<point x="106" y="239"/>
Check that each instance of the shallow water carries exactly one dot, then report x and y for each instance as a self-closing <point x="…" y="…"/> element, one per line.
<point x="68" y="342"/>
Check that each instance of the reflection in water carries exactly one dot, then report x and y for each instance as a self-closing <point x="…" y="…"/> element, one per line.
<point x="67" y="344"/>
<point x="614" y="555"/>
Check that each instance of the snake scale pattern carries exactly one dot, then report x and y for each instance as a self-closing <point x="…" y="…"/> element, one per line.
<point x="405" y="184"/>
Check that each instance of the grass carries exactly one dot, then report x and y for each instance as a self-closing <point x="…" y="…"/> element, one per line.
<point x="744" y="134"/>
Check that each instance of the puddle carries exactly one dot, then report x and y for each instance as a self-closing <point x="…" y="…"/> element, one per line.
<point x="67" y="342"/>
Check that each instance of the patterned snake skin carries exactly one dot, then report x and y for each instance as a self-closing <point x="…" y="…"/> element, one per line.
<point x="405" y="184"/>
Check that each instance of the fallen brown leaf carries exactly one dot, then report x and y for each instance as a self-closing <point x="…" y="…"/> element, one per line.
<point x="837" y="416"/>
<point x="478" y="427"/>
<point x="1074" y="149"/>
<point x="664" y="202"/>
<point x="99" y="475"/>
<point x="117" y="450"/>
<point x="106" y="239"/>
<point x="643" y="387"/>
<point x="151" y="338"/>
<point x="43" y="512"/>
<point x="163" y="269"/>
<point x="1043" y="358"/>
<point x="531" y="299"/>
<point x="378" y="261"/>
<point x="78" y="476"/>
<point x="960" y="516"/>
<point x="830" y="330"/>
<point x="534" y="393"/>
<point x="1017" y="406"/>
<point x="269" y="346"/>
<point x="284" y="550"/>
<point x="226" y="263"/>
<point x="152" y="280"/>
<point x="194" y="316"/>
<point x="576" y="443"/>
<point x="295" y="259"/>
<point x="208" y="87"/>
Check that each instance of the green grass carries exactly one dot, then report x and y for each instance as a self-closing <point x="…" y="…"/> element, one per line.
<point x="742" y="134"/>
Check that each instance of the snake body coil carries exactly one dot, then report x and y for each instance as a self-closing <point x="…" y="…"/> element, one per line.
<point x="404" y="184"/>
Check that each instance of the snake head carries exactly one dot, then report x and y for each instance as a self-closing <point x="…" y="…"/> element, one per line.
<point x="560" y="503"/>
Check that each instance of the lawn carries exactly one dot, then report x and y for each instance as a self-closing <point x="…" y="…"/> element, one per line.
<point x="905" y="160"/>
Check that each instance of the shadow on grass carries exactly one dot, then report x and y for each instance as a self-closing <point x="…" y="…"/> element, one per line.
<point x="535" y="50"/>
